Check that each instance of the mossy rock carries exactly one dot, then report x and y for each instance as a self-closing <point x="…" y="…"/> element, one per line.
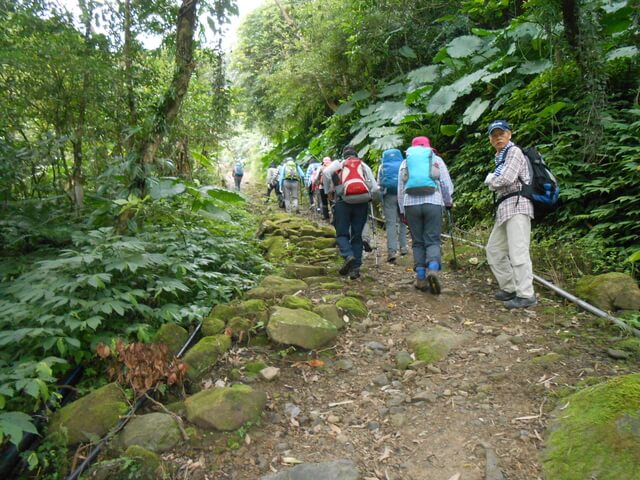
<point x="318" y="280"/>
<point x="204" y="355"/>
<point x="610" y="291"/>
<point x="149" y="463"/>
<point x="596" y="434"/>
<point x="212" y="326"/>
<point x="332" y="286"/>
<point x="92" y="415"/>
<point x="296" y="301"/>
<point x="319" y="244"/>
<point x="352" y="307"/>
<point x="331" y="313"/>
<point x="254" y="309"/>
<point x="296" y="270"/>
<point x="273" y="286"/>
<point x="156" y="431"/>
<point x="225" y="409"/>
<point x="631" y="345"/>
<point x="172" y="335"/>
<point x="254" y="368"/>
<point x="277" y="250"/>
<point x="301" y="328"/>
<point x="240" y="327"/>
<point x="434" y="344"/>
<point x="177" y="407"/>
<point x="261" y="340"/>
<point x="549" y="360"/>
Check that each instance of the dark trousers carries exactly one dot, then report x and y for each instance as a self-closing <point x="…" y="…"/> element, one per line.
<point x="325" y="204"/>
<point x="349" y="221"/>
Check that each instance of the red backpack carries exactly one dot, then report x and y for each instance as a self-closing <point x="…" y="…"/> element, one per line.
<point x="352" y="187"/>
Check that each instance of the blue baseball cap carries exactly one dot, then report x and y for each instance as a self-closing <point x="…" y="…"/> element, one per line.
<point x="501" y="124"/>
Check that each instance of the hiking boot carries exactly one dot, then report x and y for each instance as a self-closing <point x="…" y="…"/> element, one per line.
<point x="504" y="296"/>
<point x="366" y="246"/>
<point x="404" y="252"/>
<point x="521" y="302"/>
<point x="346" y="266"/>
<point x="392" y="257"/>
<point x="434" y="282"/>
<point x="354" y="273"/>
<point x="421" y="284"/>
<point x="432" y="277"/>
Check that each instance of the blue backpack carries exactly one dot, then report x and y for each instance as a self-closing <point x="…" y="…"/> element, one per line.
<point x="238" y="170"/>
<point x="420" y="180"/>
<point x="391" y="160"/>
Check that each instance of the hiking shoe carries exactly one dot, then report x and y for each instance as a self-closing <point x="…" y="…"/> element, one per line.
<point x="404" y="252"/>
<point x="421" y="284"/>
<point x="354" y="273"/>
<point x="346" y="266"/>
<point x="504" y="296"/>
<point x="521" y="302"/>
<point x="392" y="257"/>
<point x="366" y="246"/>
<point x="434" y="282"/>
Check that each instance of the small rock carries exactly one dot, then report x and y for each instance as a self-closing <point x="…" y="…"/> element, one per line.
<point x="292" y="410"/>
<point x="474" y="261"/>
<point x="617" y="354"/>
<point x="503" y="339"/>
<point x="333" y="419"/>
<point x="517" y="340"/>
<point x="446" y="392"/>
<point x="434" y="369"/>
<point x="269" y="373"/>
<point x="381" y="380"/>
<point x="375" y="346"/>
<point x="395" y="401"/>
<point x="408" y="375"/>
<point x="398" y="420"/>
<point x="344" y="364"/>
<point x="424" y="397"/>
<point x="373" y="426"/>
<point x="403" y="360"/>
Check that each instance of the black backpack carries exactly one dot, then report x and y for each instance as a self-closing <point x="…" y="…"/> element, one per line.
<point x="543" y="191"/>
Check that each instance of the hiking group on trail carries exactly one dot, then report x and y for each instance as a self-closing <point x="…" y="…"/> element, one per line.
<point x="415" y="189"/>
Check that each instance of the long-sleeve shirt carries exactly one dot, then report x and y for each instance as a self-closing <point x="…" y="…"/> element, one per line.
<point x="515" y="167"/>
<point x="310" y="169"/>
<point x="405" y="199"/>
<point x="272" y="173"/>
<point x="337" y="165"/>
<point x="281" y="173"/>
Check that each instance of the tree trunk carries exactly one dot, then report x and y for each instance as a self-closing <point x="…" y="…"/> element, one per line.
<point x="167" y="110"/>
<point x="127" y="52"/>
<point x="571" y="23"/>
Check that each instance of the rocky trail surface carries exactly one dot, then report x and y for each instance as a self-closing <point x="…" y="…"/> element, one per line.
<point x="365" y="408"/>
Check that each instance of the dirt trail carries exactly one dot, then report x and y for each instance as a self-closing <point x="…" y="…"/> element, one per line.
<point x="433" y="422"/>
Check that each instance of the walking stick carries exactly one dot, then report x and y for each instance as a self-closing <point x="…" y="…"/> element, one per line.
<point x="454" y="263"/>
<point x="373" y="235"/>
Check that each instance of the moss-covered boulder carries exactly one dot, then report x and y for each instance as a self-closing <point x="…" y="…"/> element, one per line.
<point x="275" y="248"/>
<point x="300" y="327"/>
<point x="204" y="355"/>
<point x="172" y="335"/>
<point x="212" y="326"/>
<point x="434" y="344"/>
<point x="596" y="434"/>
<point x="297" y="301"/>
<point x="610" y="291"/>
<point x="331" y="313"/>
<point x="318" y="280"/>
<point x="92" y="415"/>
<point x="148" y="463"/>
<point x="332" y="286"/>
<point x="352" y="307"/>
<point x="156" y="431"/>
<point x="273" y="286"/>
<point x="297" y="270"/>
<point x="254" y="309"/>
<point x="318" y="244"/>
<point x="226" y="408"/>
<point x="240" y="327"/>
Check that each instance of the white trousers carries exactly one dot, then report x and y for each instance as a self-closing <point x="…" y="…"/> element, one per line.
<point x="508" y="255"/>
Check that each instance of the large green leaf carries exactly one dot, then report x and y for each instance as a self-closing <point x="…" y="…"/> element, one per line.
<point x="386" y="142"/>
<point x="393" y="90"/>
<point x="407" y="52"/>
<point x="394" y="111"/>
<point x="622" y="52"/>
<point x="464" y="46"/>
<point x="442" y="100"/>
<point x="201" y="159"/>
<point x="221" y="194"/>
<point x="551" y="110"/>
<point x="493" y="76"/>
<point x="15" y="424"/>
<point x="345" y="109"/>
<point x="167" y="188"/>
<point x="534" y="67"/>
<point x="360" y="136"/>
<point x="360" y="95"/>
<point x="474" y="111"/>
<point x="449" y="130"/>
<point x="382" y="131"/>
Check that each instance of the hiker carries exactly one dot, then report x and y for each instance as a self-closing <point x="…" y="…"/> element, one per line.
<point x="272" y="179"/>
<point x="388" y="181"/>
<point x="314" y="164"/>
<point x="319" y="187"/>
<point x="422" y="178"/>
<point x="508" y="245"/>
<point x="238" y="173"/>
<point x="355" y="187"/>
<point x="291" y="176"/>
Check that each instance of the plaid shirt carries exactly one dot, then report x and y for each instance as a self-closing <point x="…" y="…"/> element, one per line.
<point x="515" y="167"/>
<point x="406" y="199"/>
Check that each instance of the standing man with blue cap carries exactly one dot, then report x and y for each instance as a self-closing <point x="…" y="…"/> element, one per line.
<point x="508" y="245"/>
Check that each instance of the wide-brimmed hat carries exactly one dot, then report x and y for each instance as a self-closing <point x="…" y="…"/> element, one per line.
<point x="421" y="142"/>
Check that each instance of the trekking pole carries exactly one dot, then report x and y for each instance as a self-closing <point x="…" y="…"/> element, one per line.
<point x="454" y="263"/>
<point x="373" y="236"/>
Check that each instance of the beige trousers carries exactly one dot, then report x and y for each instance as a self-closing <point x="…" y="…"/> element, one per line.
<point x="508" y="255"/>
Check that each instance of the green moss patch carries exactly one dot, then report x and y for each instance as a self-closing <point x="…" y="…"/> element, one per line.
<point x="597" y="435"/>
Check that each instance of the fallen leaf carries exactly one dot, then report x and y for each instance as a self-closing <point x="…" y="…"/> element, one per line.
<point x="386" y="454"/>
<point x="455" y="477"/>
<point x="291" y="460"/>
<point x="316" y="362"/>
